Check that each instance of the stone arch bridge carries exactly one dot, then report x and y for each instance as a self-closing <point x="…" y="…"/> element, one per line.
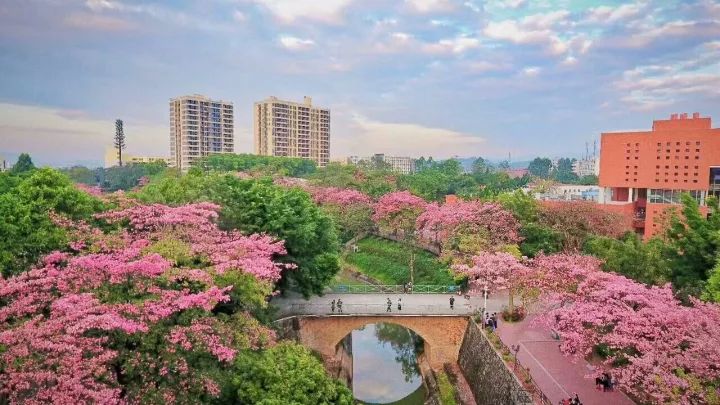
<point x="443" y="335"/>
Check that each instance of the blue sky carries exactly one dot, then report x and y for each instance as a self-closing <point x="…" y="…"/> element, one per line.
<point x="412" y="77"/>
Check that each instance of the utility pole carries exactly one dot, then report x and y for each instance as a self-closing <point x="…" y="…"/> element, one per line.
<point x="119" y="139"/>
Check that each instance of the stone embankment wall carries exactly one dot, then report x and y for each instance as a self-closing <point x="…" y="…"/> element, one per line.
<point x="490" y="380"/>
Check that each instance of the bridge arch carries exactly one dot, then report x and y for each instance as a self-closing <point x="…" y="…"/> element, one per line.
<point x="442" y="335"/>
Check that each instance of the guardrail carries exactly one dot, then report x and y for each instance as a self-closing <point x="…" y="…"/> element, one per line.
<point x="395" y="289"/>
<point x="351" y="309"/>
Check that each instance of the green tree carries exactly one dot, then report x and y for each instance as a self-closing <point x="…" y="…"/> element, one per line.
<point x="257" y="206"/>
<point x="128" y="176"/>
<point x="564" y="172"/>
<point x="25" y="225"/>
<point x="523" y="206"/>
<point x="287" y="374"/>
<point x="589" y="180"/>
<point x="712" y="288"/>
<point x="693" y="243"/>
<point x="81" y="174"/>
<point x="24" y="164"/>
<point x="540" y="167"/>
<point x="631" y="257"/>
<point x="268" y="165"/>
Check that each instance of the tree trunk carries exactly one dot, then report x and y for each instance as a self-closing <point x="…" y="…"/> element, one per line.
<point x="412" y="266"/>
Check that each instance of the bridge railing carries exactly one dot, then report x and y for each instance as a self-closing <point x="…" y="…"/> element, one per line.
<point x="395" y="289"/>
<point x="349" y="308"/>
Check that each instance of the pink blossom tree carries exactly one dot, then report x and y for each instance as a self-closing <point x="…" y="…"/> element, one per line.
<point x="468" y="227"/>
<point x="397" y="212"/>
<point x="492" y="272"/>
<point x="116" y="321"/>
<point x="659" y="350"/>
<point x="350" y="209"/>
<point x="577" y="219"/>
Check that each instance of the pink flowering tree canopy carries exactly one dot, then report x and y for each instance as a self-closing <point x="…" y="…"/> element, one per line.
<point x="351" y="210"/>
<point x="397" y="213"/>
<point x="657" y="349"/>
<point x="125" y="315"/>
<point x="468" y="227"/>
<point x="492" y="272"/>
<point x="577" y="219"/>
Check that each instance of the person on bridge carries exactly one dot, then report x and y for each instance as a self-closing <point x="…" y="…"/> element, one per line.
<point x="452" y="302"/>
<point x="399" y="304"/>
<point x="389" y="305"/>
<point x="332" y="306"/>
<point x="339" y="305"/>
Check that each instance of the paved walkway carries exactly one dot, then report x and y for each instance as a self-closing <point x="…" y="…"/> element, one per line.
<point x="556" y="375"/>
<point x="376" y="304"/>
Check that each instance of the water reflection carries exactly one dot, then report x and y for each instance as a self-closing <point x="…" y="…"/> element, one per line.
<point x="385" y="367"/>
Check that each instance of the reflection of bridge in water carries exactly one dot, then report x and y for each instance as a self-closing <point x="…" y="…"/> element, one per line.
<point x="442" y="334"/>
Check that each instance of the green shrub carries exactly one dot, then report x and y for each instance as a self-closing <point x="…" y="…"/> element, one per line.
<point x="447" y="391"/>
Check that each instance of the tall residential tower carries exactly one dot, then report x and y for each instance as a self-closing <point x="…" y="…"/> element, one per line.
<point x="287" y="128"/>
<point x="199" y="126"/>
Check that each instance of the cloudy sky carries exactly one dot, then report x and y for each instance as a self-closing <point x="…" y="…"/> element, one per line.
<point x="407" y="77"/>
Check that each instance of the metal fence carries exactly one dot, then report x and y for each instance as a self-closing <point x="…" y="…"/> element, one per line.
<point x="351" y="309"/>
<point x="395" y="289"/>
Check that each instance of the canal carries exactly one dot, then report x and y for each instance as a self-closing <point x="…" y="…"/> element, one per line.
<point x="385" y="366"/>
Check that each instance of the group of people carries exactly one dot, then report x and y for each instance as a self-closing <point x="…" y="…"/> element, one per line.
<point x="574" y="400"/>
<point x="390" y="304"/>
<point x="491" y="321"/>
<point x="604" y="382"/>
<point x="337" y="304"/>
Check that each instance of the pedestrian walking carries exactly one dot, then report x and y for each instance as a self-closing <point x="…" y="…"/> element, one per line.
<point x="339" y="305"/>
<point x="493" y="321"/>
<point x="389" y="305"/>
<point x="332" y="306"/>
<point x="399" y="304"/>
<point x="452" y="302"/>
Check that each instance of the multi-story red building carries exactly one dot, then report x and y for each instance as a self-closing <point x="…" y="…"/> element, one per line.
<point x="642" y="173"/>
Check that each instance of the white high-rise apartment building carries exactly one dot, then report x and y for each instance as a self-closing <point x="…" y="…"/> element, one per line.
<point x="199" y="126"/>
<point x="398" y="164"/>
<point x="287" y="128"/>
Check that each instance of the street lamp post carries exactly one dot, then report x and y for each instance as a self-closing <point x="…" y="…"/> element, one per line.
<point x="485" y="294"/>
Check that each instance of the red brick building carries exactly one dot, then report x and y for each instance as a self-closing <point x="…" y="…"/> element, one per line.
<point x="642" y="173"/>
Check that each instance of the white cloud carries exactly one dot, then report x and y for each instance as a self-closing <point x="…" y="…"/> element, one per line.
<point x="531" y="71"/>
<point x="646" y="33"/>
<point x="535" y="29"/>
<point x="239" y="16"/>
<point x="295" y="43"/>
<point x="609" y="15"/>
<point x="96" y="22"/>
<point x="371" y="136"/>
<point x="455" y="45"/>
<point x="397" y="42"/>
<point x="430" y="6"/>
<point x="483" y="66"/>
<point x="569" y="61"/>
<point x="63" y="136"/>
<point x="289" y="11"/>
<point x="511" y="3"/>
<point x="652" y="86"/>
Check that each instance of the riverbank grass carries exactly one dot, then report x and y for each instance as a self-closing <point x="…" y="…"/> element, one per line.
<point x="388" y="262"/>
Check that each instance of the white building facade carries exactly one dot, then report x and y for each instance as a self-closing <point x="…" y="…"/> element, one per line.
<point x="291" y="129"/>
<point x="199" y="126"/>
<point x="398" y="164"/>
